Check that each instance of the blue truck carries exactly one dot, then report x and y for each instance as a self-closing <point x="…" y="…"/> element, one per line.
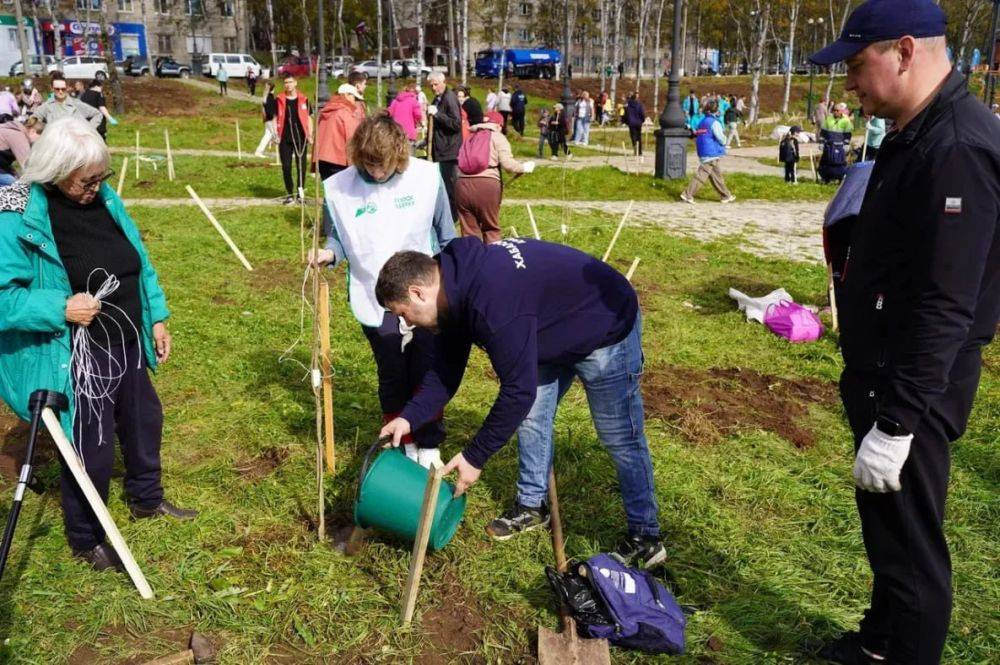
<point x="534" y="63"/>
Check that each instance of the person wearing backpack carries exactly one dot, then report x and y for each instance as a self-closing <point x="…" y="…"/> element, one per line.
<point x="711" y="145"/>
<point x="788" y="153"/>
<point x="545" y="314"/>
<point x="479" y="190"/>
<point x="518" y="107"/>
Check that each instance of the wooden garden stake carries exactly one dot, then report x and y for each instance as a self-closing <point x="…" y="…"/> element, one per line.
<point x="813" y="165"/>
<point x="631" y="269"/>
<point x="833" y="297"/>
<point x="430" y="138"/>
<point x="534" y="226"/>
<point x="96" y="504"/>
<point x="137" y="155"/>
<point x="170" y="155"/>
<point x="302" y="223"/>
<point x="420" y="544"/>
<point x="614" y="238"/>
<point x="239" y="144"/>
<point x="121" y="176"/>
<point x="218" y="227"/>
<point x="324" y="341"/>
<point x="513" y="231"/>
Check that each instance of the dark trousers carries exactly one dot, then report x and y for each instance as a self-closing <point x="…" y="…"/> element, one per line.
<point x="506" y="120"/>
<point x="790" y="172"/>
<point x="252" y="86"/>
<point x="903" y="533"/>
<point x="288" y="154"/>
<point x="133" y="412"/>
<point x="223" y="87"/>
<point x="401" y="372"/>
<point x="449" y="173"/>
<point x="557" y="138"/>
<point x="517" y="120"/>
<point x="635" y="133"/>
<point x="327" y="169"/>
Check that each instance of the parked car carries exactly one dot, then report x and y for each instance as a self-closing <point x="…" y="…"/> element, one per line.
<point x="342" y="62"/>
<point x="235" y="63"/>
<point x="82" y="67"/>
<point x="38" y="64"/>
<point x="413" y="65"/>
<point x="170" y="68"/>
<point x="371" y="68"/>
<point x="297" y="66"/>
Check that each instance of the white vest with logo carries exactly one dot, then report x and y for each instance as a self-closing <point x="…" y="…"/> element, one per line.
<point x="373" y="221"/>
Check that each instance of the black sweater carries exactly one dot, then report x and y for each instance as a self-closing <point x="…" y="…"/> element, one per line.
<point x="88" y="238"/>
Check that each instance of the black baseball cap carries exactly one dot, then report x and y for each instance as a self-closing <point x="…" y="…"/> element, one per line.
<point x="881" y="20"/>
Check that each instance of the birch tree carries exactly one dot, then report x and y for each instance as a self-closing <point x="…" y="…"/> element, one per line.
<point x="658" y="60"/>
<point x="793" y="18"/>
<point x="641" y="23"/>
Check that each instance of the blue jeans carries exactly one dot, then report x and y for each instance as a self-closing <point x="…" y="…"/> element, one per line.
<point x="7" y="179"/>
<point x="610" y="377"/>
<point x="582" y="132"/>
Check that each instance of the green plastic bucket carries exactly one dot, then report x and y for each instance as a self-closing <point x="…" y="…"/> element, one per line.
<point x="390" y="495"/>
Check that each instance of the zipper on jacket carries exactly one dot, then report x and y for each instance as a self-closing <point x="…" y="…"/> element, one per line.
<point x="880" y="324"/>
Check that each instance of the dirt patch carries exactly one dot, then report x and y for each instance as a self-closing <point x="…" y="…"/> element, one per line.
<point x="263" y="464"/>
<point x="150" y="96"/>
<point x="452" y="631"/>
<point x="13" y="445"/>
<point x="276" y="275"/>
<point x="142" y="184"/>
<point x="249" y="165"/>
<point x="162" y="642"/>
<point x="707" y="405"/>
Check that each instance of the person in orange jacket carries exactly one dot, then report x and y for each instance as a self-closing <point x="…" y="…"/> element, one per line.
<point x="337" y="123"/>
<point x="294" y="126"/>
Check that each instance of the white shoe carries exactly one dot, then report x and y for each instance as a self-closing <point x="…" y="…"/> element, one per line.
<point x="428" y="456"/>
<point x="554" y="158"/>
<point x="729" y="199"/>
<point x="411" y="451"/>
<point x="686" y="198"/>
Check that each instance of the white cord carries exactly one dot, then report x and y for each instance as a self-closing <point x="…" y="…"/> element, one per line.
<point x="90" y="381"/>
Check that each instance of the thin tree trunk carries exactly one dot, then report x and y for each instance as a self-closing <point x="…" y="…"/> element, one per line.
<point x="273" y="38"/>
<point x="56" y="33"/>
<point x="616" y="54"/>
<point x="420" y="39"/>
<point x="38" y="31"/>
<point x="378" y="59"/>
<point x="503" y="45"/>
<point x="684" y="42"/>
<point x="465" y="42"/>
<point x="793" y="18"/>
<point x="307" y="36"/>
<point x="145" y="29"/>
<point x="117" y="98"/>
<point x="451" y="38"/>
<point x="604" y="44"/>
<point x="341" y="35"/>
<point x="763" y="17"/>
<point x="644" y="7"/>
<point x="22" y="39"/>
<point x="395" y="29"/>
<point x="657" y="62"/>
<point x="833" y="35"/>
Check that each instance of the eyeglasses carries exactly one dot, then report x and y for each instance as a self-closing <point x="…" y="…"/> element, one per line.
<point x="62" y="89"/>
<point x="95" y="183"/>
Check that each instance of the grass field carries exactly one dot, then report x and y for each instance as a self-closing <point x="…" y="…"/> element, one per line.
<point x="761" y="532"/>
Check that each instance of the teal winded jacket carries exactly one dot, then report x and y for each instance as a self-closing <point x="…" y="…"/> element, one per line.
<point x="34" y="287"/>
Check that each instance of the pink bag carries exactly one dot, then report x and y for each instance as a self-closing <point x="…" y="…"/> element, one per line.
<point x="793" y="322"/>
<point x="474" y="155"/>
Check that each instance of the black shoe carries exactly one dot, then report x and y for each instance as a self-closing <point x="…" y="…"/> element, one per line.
<point x="640" y="552"/>
<point x="101" y="557"/>
<point x="847" y="650"/>
<point x="165" y="508"/>
<point x="518" y="520"/>
<point x="289" y="200"/>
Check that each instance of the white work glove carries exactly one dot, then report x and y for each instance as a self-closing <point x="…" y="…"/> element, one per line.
<point x="411" y="451"/>
<point x="428" y="457"/>
<point x="407" y="332"/>
<point x="879" y="461"/>
<point x="529" y="167"/>
<point x="432" y="110"/>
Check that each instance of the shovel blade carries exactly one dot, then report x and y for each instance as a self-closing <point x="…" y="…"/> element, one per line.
<point x="567" y="649"/>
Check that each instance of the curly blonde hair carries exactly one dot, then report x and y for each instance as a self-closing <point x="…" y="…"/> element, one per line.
<point x="379" y="144"/>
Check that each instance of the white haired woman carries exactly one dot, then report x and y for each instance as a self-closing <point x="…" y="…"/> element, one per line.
<point x="63" y="232"/>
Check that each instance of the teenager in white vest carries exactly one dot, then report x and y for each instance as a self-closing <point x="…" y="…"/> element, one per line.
<point x="384" y="203"/>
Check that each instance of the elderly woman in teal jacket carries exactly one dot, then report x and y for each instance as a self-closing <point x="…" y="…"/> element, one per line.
<point x="63" y="235"/>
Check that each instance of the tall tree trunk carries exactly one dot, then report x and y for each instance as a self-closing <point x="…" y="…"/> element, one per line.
<point x="833" y="35"/>
<point x="684" y="43"/>
<point x="38" y="30"/>
<point x="145" y="30"/>
<point x="657" y="64"/>
<point x="760" y="35"/>
<point x="22" y="39"/>
<point x="395" y="29"/>
<point x="465" y="42"/>
<point x="604" y="43"/>
<point x="420" y="40"/>
<point x="793" y="18"/>
<point x="117" y="97"/>
<point x="644" y="7"/>
<point x="450" y="40"/>
<point x="341" y="34"/>
<point x="508" y="4"/>
<point x="697" y="41"/>
<point x="272" y="37"/>
<point x="307" y="36"/>
<point x="378" y="58"/>
<point x="616" y="53"/>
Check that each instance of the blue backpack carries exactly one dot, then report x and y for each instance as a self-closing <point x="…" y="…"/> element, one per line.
<point x="626" y="606"/>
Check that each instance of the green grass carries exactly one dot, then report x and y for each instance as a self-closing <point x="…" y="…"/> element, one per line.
<point x="763" y="537"/>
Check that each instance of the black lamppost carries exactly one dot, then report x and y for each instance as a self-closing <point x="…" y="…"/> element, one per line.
<point x="812" y="68"/>
<point x="567" y="96"/>
<point x="672" y="136"/>
<point x="322" y="89"/>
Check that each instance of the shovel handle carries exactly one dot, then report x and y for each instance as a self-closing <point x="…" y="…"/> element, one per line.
<point x="558" y="545"/>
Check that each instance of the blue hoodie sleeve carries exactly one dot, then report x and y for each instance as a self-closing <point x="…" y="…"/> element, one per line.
<point x="513" y="351"/>
<point x="444" y="223"/>
<point x="333" y="241"/>
<point x="441" y="381"/>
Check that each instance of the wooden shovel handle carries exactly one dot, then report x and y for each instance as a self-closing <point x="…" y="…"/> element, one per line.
<point x="558" y="545"/>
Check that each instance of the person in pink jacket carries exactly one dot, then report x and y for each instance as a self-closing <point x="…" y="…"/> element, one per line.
<point x="405" y="110"/>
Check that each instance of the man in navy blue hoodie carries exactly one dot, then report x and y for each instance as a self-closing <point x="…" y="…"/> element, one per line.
<point x="544" y="313"/>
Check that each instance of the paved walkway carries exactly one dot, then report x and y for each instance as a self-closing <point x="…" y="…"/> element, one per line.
<point x="790" y="230"/>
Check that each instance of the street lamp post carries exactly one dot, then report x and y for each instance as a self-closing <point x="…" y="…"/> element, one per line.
<point x="818" y="23"/>
<point x="567" y="95"/>
<point x="672" y="136"/>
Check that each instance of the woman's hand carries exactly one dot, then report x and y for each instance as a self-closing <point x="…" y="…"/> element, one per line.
<point x="161" y="338"/>
<point x="81" y="308"/>
<point x="321" y="257"/>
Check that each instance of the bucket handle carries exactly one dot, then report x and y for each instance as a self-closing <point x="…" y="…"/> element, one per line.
<point x="379" y="443"/>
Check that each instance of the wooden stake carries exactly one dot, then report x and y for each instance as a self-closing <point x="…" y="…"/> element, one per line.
<point x="631" y="270"/>
<point x="513" y="231"/>
<point x="833" y="297"/>
<point x="96" y="504"/>
<point x="614" y="238"/>
<point x="324" y="343"/>
<point x="864" y="147"/>
<point x="430" y="138"/>
<point x="239" y="143"/>
<point x="218" y="227"/>
<point x="420" y="544"/>
<point x="302" y="223"/>
<point x="121" y="176"/>
<point x="534" y="226"/>
<point x="170" y="155"/>
<point x="813" y="165"/>
<point x="136" y="155"/>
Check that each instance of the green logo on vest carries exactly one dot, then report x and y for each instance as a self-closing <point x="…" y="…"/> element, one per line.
<point x="367" y="208"/>
<point x="405" y="202"/>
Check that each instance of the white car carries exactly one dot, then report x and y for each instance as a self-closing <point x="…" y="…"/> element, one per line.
<point x="82" y="67"/>
<point x="412" y="65"/>
<point x="236" y="64"/>
<point x="371" y="68"/>
<point x="38" y="64"/>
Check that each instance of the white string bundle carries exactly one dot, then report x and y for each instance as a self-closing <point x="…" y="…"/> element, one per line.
<point x="90" y="380"/>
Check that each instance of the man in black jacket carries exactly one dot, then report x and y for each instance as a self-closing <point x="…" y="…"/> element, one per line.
<point x="518" y="106"/>
<point x="447" y="116"/>
<point x="920" y="299"/>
